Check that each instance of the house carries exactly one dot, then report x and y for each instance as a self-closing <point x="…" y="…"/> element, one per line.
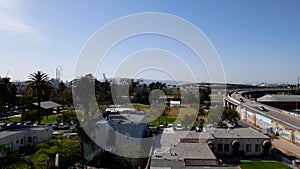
<point x="116" y="131"/>
<point x="182" y="149"/>
<point x="239" y="142"/>
<point x="25" y="136"/>
<point x="191" y="149"/>
<point x="49" y="107"/>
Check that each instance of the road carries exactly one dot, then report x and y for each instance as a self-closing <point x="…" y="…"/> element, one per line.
<point x="288" y="120"/>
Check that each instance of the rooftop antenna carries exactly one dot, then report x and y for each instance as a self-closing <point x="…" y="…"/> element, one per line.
<point x="7" y="73"/>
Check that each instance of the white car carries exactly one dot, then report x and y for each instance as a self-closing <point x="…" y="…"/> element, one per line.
<point x="179" y="127"/>
<point x="170" y="125"/>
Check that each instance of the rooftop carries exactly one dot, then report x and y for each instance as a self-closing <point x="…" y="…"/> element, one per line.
<point x="7" y="133"/>
<point x="173" y="144"/>
<point x="238" y="133"/>
<point x="183" y="151"/>
<point x="129" y="117"/>
<point x="48" y="104"/>
<point x="170" y="137"/>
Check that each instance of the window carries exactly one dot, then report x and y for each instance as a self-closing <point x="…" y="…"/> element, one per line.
<point x="21" y="141"/>
<point x="257" y="147"/>
<point x="127" y="136"/>
<point x="226" y="147"/>
<point x="17" y="141"/>
<point x="248" y="147"/>
<point x="29" y="139"/>
<point x="220" y="147"/>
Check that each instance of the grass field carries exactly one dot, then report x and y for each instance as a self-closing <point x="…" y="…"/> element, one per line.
<point x="51" y="119"/>
<point x="257" y="164"/>
<point x="174" y="115"/>
<point x="11" y="120"/>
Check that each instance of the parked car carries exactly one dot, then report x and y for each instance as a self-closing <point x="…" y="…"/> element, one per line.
<point x="241" y="100"/>
<point x="170" y="125"/>
<point x="210" y="125"/>
<point x="179" y="127"/>
<point x="161" y="126"/>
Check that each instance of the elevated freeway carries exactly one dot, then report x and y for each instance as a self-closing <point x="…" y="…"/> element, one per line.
<point x="272" y="113"/>
<point x="288" y="126"/>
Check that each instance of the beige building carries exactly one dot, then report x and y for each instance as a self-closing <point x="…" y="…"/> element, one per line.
<point x="186" y="149"/>
<point x="239" y="142"/>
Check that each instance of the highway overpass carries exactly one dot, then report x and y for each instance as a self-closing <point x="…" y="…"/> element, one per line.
<point x="279" y="121"/>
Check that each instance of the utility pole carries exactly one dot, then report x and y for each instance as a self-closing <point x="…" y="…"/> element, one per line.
<point x="298" y="83"/>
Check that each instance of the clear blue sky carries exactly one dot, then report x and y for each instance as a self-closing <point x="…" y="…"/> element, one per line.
<point x="257" y="40"/>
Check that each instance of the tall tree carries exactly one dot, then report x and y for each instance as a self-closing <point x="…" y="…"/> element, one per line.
<point x="39" y="86"/>
<point x="7" y="94"/>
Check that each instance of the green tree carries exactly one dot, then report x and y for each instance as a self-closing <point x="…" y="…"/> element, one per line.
<point x="7" y="155"/>
<point x="7" y="94"/>
<point x="38" y="85"/>
<point x="84" y="91"/>
<point x="230" y="114"/>
<point x="30" y="115"/>
<point x="67" y="117"/>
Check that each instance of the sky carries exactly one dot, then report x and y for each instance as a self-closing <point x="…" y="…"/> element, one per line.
<point x="256" y="41"/>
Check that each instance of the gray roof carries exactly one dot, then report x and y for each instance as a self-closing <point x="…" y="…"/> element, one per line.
<point x="171" y="136"/>
<point x="48" y="104"/>
<point x="4" y="134"/>
<point x="237" y="133"/>
<point x="172" y="142"/>
<point x="183" y="151"/>
<point x="279" y="98"/>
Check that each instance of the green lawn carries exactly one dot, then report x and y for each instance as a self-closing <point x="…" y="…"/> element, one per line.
<point x="11" y="120"/>
<point x="51" y="119"/>
<point x="257" y="164"/>
<point x="163" y="119"/>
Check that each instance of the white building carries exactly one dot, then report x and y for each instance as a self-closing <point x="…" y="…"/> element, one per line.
<point x="175" y="104"/>
<point x="23" y="137"/>
<point x="121" y="126"/>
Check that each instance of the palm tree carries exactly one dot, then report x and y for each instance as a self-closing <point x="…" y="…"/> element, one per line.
<point x="38" y="85"/>
<point x="83" y="89"/>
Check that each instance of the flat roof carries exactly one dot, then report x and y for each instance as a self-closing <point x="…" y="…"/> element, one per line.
<point x="170" y="136"/>
<point x="118" y="109"/>
<point x="237" y="133"/>
<point x="183" y="151"/>
<point x="174" y="144"/>
<point x="48" y="104"/>
<point x="124" y="118"/>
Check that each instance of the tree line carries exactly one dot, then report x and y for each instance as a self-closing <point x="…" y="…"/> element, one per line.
<point x="39" y="88"/>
